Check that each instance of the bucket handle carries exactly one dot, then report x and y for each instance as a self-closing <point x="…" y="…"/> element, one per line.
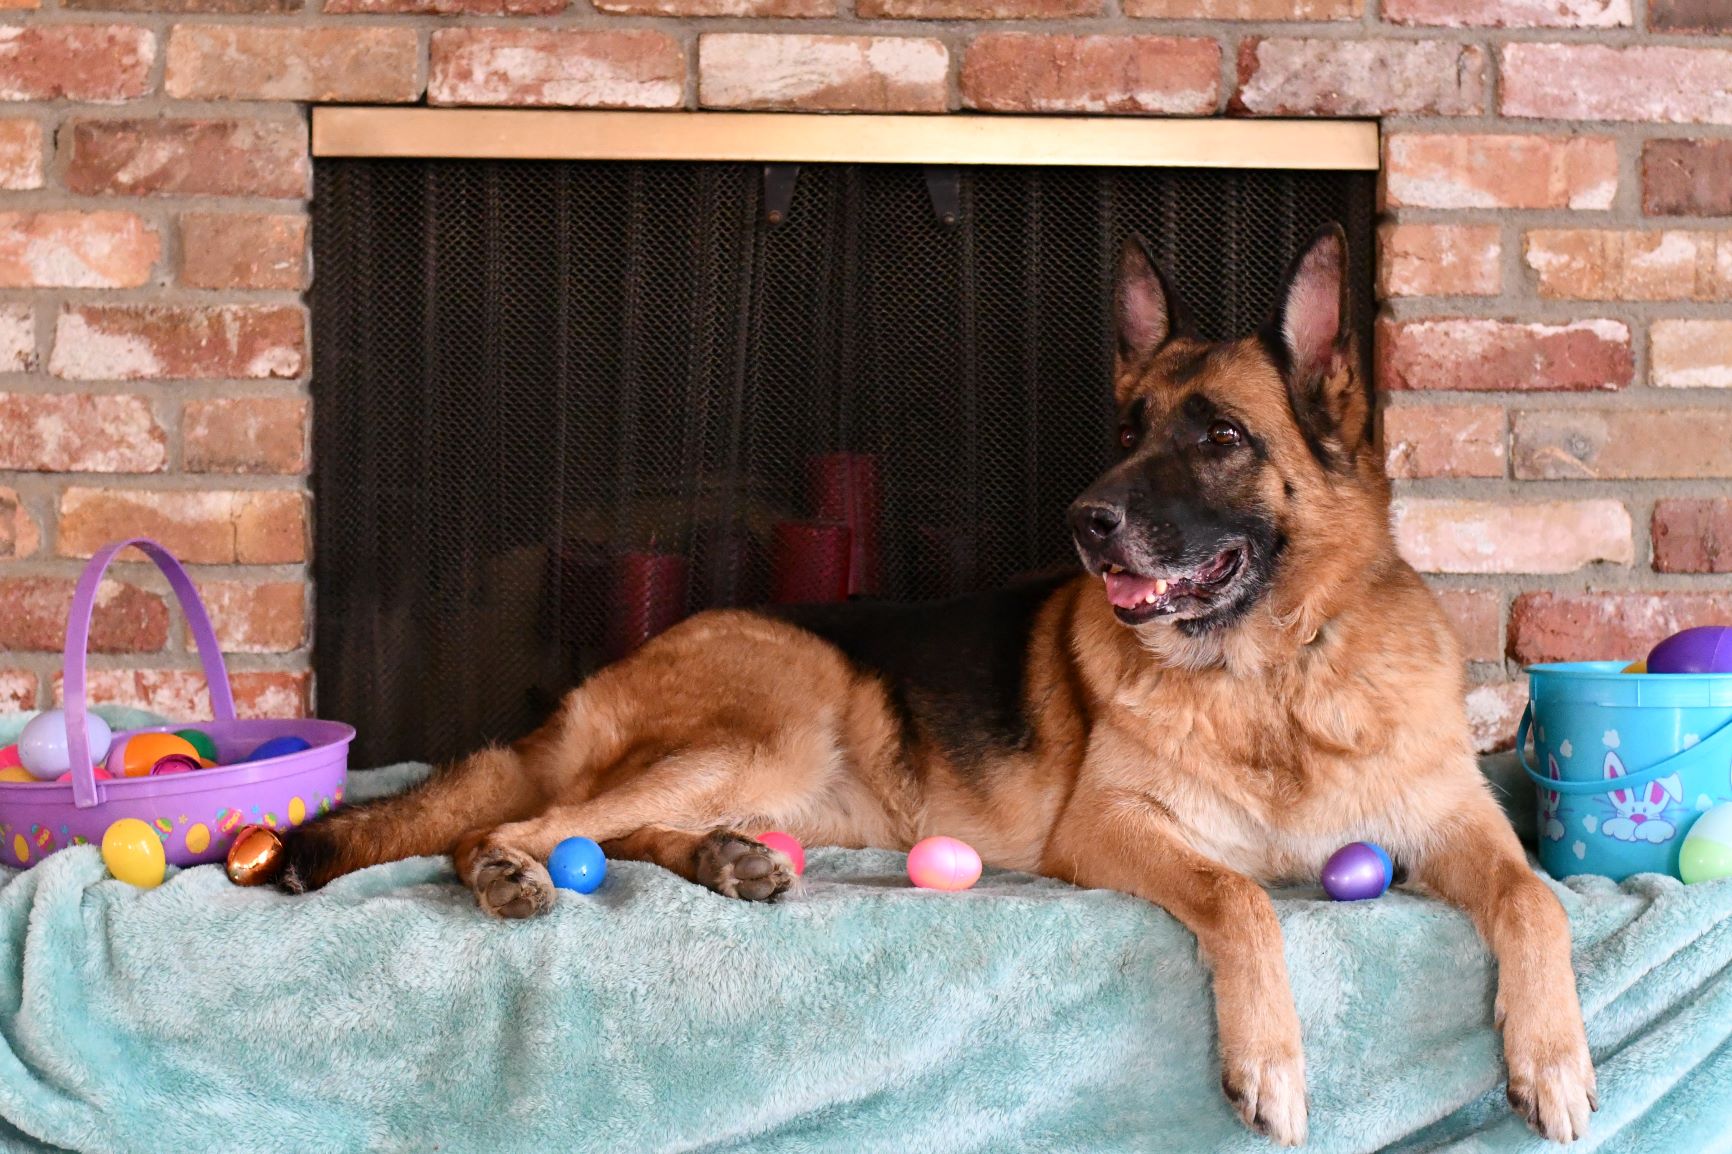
<point x="1669" y="765"/>
<point x="85" y="791"/>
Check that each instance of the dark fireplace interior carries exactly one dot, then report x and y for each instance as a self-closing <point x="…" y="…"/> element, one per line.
<point x="561" y="405"/>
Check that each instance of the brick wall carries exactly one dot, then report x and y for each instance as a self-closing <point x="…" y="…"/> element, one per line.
<point x="1556" y="346"/>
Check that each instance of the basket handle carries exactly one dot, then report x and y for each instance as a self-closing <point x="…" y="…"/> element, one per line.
<point x="84" y="787"/>
<point x="1669" y="765"/>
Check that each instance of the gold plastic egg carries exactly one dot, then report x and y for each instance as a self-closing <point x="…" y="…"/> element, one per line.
<point x="255" y="856"/>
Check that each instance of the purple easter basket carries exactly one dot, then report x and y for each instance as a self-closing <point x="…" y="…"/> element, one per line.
<point x="195" y="813"/>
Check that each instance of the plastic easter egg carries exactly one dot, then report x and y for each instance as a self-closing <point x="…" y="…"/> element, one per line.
<point x="136" y="755"/>
<point x="1704" y="649"/>
<point x="1707" y="851"/>
<point x="278" y="747"/>
<point x="943" y="863"/>
<point x="175" y="763"/>
<point x="9" y="757"/>
<point x="16" y="773"/>
<point x="42" y="745"/>
<point x="788" y="844"/>
<point x="133" y="853"/>
<point x="577" y="864"/>
<point x="1356" y="872"/>
<point x="200" y="742"/>
<point x="96" y="771"/>
<point x="255" y="856"/>
<point x="1635" y="667"/>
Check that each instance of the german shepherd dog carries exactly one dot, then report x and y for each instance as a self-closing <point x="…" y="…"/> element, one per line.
<point x="1245" y="678"/>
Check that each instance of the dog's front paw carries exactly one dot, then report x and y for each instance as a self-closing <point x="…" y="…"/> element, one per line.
<point x="1268" y="1091"/>
<point x="510" y="884"/>
<point x="1551" y="1073"/>
<point x="737" y="866"/>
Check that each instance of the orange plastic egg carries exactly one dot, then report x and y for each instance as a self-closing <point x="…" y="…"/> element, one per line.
<point x="133" y="756"/>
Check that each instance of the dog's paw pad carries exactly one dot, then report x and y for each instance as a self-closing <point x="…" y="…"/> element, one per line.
<point x="1555" y="1094"/>
<point x="737" y="866"/>
<point x="1269" y="1096"/>
<point x="510" y="884"/>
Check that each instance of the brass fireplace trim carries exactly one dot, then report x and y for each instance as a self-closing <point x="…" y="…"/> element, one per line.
<point x="782" y="137"/>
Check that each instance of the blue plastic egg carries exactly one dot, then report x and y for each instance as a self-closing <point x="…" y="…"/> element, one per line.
<point x="279" y="747"/>
<point x="577" y="864"/>
<point x="42" y="745"/>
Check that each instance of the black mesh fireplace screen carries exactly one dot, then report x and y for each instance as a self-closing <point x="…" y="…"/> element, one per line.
<point x="558" y="405"/>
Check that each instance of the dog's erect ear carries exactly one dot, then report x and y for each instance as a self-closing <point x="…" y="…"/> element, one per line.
<point x="1311" y="340"/>
<point x="1146" y="310"/>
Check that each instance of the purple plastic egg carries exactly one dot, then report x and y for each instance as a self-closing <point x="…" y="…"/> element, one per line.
<point x="1356" y="872"/>
<point x="1704" y="649"/>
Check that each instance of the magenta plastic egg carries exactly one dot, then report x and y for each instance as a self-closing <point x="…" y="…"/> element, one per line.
<point x="943" y="863"/>
<point x="1704" y="649"/>
<point x="42" y="745"/>
<point x="788" y="844"/>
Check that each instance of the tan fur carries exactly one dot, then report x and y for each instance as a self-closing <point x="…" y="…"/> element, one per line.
<point x="1188" y="771"/>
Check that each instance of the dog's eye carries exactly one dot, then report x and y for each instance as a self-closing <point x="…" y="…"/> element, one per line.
<point x="1127" y="436"/>
<point x="1225" y="433"/>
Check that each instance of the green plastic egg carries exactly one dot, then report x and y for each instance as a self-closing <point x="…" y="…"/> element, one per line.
<point x="1707" y="851"/>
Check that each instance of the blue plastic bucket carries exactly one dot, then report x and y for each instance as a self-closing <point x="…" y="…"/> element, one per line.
<point x="1624" y="763"/>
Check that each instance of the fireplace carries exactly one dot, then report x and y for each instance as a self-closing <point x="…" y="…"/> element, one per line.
<point x="563" y="404"/>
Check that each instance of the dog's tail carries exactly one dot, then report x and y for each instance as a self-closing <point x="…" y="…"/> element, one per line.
<point x="482" y="790"/>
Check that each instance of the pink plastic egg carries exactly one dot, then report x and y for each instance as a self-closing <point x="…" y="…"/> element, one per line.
<point x="787" y="843"/>
<point x="943" y="863"/>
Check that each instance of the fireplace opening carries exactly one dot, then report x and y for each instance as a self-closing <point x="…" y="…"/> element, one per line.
<point x="562" y="404"/>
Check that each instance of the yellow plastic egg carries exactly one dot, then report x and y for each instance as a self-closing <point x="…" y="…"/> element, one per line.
<point x="16" y="773"/>
<point x="1636" y="666"/>
<point x="133" y="853"/>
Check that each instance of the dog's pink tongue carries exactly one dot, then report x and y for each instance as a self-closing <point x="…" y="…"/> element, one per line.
<point x="1128" y="591"/>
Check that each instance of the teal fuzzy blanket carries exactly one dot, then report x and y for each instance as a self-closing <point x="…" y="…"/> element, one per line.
<point x="858" y="1015"/>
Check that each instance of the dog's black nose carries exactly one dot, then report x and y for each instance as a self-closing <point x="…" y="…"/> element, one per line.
<point x="1095" y="521"/>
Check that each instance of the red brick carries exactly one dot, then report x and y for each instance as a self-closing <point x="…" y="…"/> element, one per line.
<point x="1606" y="626"/>
<point x="757" y="8"/>
<point x="823" y="73"/>
<point x="1246" y="9"/>
<point x="1611" y="264"/>
<point x="448" y="7"/>
<point x="275" y="62"/>
<point x="1478" y="170"/>
<point x="1651" y="83"/>
<point x="1438" y="535"/>
<point x="1710" y="16"/>
<point x="20" y="154"/>
<point x="19" y="536"/>
<point x="1438" y="260"/>
<point x="76" y="250"/>
<point x="215" y="7"/>
<point x="976" y="9"/>
<point x="1444" y="441"/>
<point x="1017" y="72"/>
<point x="547" y="66"/>
<point x="1692" y="535"/>
<point x="1473" y="355"/>
<point x="1687" y="354"/>
<point x="255" y="617"/>
<point x="1622" y="444"/>
<point x="1492" y="712"/>
<point x="243" y="250"/>
<point x="17" y="339"/>
<point x="202" y="527"/>
<point x="1360" y="78"/>
<point x="189" y="157"/>
<point x="1477" y="615"/>
<point x="245" y="435"/>
<point x="127" y="619"/>
<point x="135" y="342"/>
<point x="17" y="690"/>
<point x="183" y="694"/>
<point x="1687" y="178"/>
<point x="80" y="433"/>
<point x="1510" y="13"/>
<point x="92" y="63"/>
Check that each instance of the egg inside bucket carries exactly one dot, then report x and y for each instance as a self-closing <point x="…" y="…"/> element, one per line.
<point x="1707" y="851"/>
